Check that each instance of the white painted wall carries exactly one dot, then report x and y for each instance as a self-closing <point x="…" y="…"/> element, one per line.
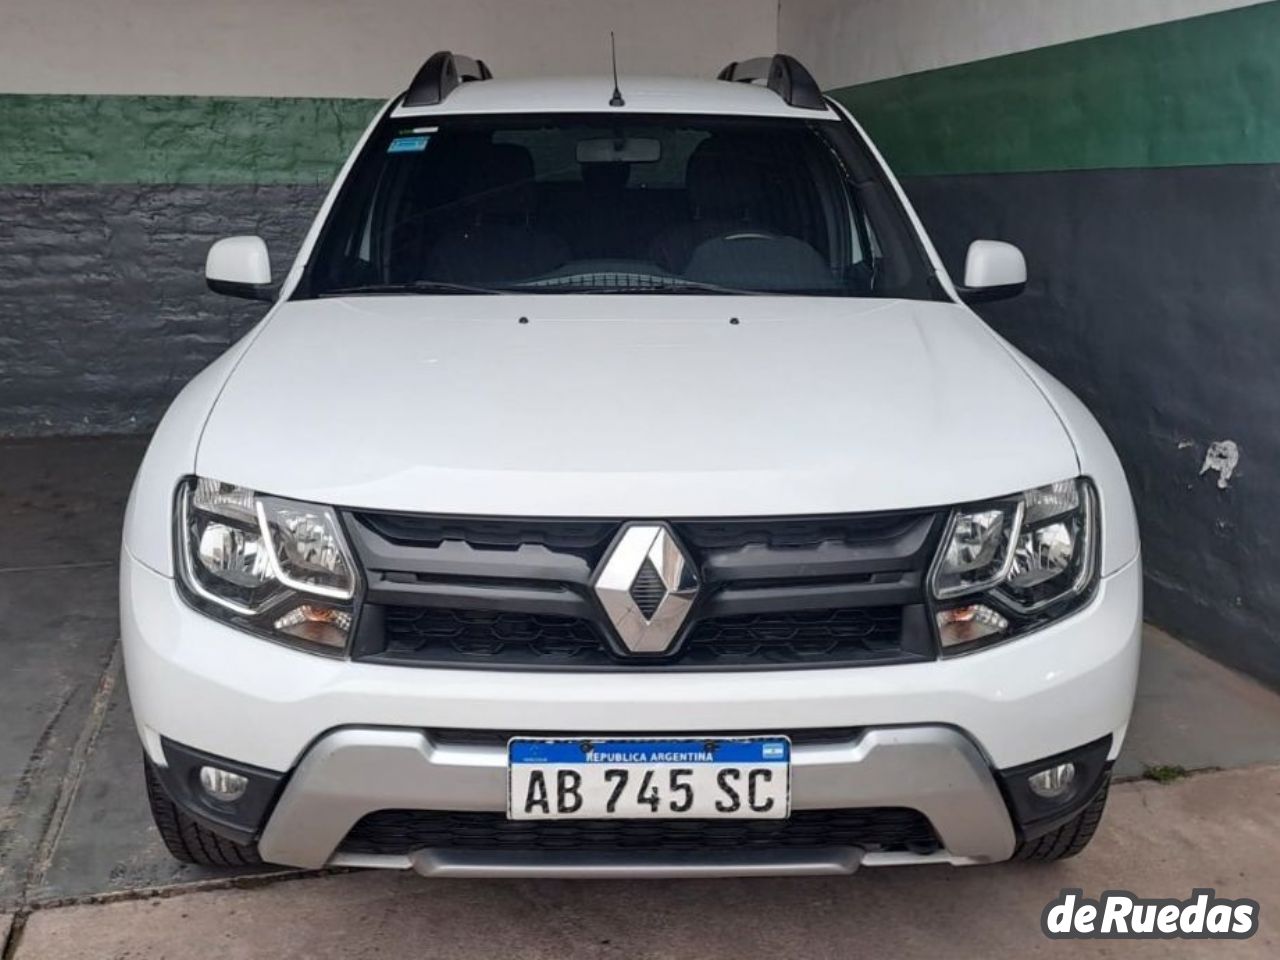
<point x="853" y="41"/>
<point x="356" y="48"/>
<point x="369" y="48"/>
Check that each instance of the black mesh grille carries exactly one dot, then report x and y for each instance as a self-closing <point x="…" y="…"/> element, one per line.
<point x="872" y="828"/>
<point x="844" y="635"/>
<point x="485" y="635"/>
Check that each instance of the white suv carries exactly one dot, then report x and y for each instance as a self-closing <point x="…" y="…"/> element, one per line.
<point x="620" y="486"/>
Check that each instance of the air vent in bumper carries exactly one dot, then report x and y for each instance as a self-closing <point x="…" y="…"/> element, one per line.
<point x="400" y="832"/>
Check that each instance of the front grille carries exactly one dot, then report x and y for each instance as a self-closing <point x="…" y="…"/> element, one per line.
<point x="517" y="593"/>
<point x="490" y="638"/>
<point x="401" y="832"/>
<point x="487" y="636"/>
<point x="848" y="635"/>
<point x="588" y="537"/>
<point x="795" y="533"/>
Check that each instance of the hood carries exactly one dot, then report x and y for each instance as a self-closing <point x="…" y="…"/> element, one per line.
<point x="655" y="406"/>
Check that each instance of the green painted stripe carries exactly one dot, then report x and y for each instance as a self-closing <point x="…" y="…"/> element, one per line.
<point x="1202" y="91"/>
<point x="192" y="140"/>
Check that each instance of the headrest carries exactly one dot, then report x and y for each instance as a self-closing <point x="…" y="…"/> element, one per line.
<point x="722" y="183"/>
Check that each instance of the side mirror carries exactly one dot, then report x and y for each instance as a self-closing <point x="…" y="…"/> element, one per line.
<point x="240" y="267"/>
<point x="993" y="270"/>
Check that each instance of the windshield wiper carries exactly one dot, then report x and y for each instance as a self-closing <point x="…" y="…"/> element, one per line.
<point x="415" y="286"/>
<point x="683" y="286"/>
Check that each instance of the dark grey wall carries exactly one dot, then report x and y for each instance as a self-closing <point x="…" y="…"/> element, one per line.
<point x="1155" y="296"/>
<point x="103" y="310"/>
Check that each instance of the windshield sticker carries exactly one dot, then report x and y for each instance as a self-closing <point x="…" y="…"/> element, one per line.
<point x="408" y="145"/>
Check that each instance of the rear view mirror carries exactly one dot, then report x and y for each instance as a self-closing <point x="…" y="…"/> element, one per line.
<point x="993" y="270"/>
<point x="240" y="267"/>
<point x="623" y="150"/>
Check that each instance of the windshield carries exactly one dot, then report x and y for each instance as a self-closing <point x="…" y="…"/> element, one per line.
<point x="608" y="204"/>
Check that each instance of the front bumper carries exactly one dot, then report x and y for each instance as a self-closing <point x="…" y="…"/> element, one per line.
<point x="353" y="738"/>
<point x="353" y="772"/>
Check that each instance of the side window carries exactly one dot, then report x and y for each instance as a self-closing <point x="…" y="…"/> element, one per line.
<point x="393" y="219"/>
<point x="855" y="248"/>
<point x="358" y="227"/>
<point x="864" y="247"/>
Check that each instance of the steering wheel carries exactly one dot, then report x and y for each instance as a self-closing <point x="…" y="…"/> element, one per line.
<point x="752" y="235"/>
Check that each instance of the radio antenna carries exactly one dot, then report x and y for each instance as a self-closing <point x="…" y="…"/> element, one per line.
<point x="616" y="100"/>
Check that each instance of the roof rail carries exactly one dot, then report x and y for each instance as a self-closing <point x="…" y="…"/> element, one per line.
<point x="785" y="76"/>
<point x="443" y="73"/>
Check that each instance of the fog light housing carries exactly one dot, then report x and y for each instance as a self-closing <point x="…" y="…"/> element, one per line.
<point x="1045" y="793"/>
<point x="223" y="785"/>
<point x="1053" y="782"/>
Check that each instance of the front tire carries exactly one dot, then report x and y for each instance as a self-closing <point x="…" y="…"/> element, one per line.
<point x="1070" y="838"/>
<point x="184" y="836"/>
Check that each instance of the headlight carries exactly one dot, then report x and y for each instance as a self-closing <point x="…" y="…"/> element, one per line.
<point x="1010" y="566"/>
<point x="274" y="567"/>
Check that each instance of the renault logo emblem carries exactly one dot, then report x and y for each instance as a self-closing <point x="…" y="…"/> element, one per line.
<point x="646" y="585"/>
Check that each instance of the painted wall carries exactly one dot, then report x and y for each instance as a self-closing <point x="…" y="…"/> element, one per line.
<point x="134" y="133"/>
<point x="855" y="41"/>
<point x="355" y="48"/>
<point x="1140" y="172"/>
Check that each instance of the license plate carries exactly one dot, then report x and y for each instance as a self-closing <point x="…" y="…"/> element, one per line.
<point x="739" y="778"/>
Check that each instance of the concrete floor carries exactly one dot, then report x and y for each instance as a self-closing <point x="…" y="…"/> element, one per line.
<point x="1158" y="841"/>
<point x="78" y="854"/>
